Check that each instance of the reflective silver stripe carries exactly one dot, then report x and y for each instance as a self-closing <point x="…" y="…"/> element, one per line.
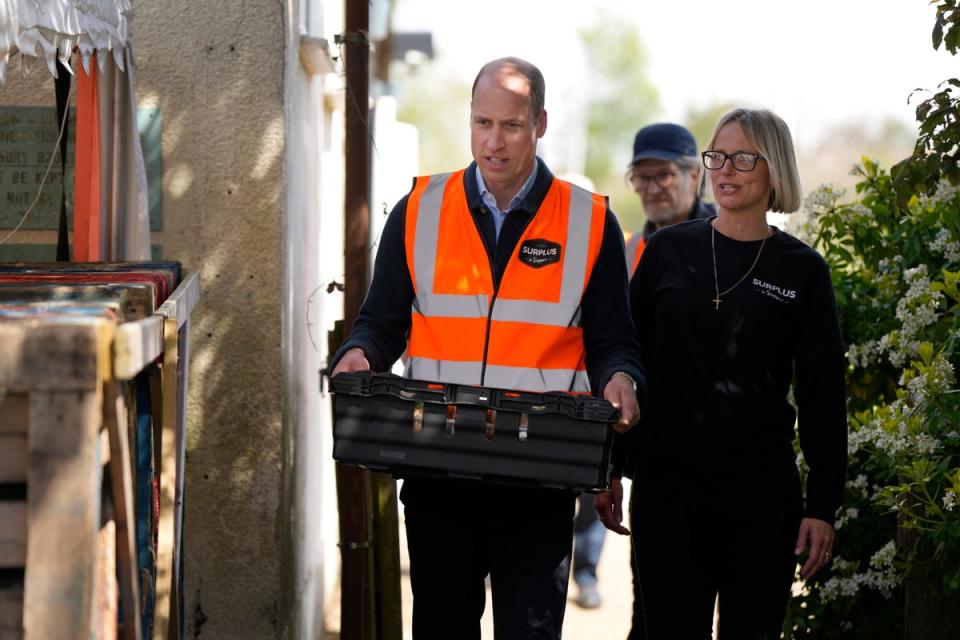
<point x="502" y="377"/>
<point x="535" y="312"/>
<point x="452" y="306"/>
<point x="563" y="313"/>
<point x="578" y="243"/>
<point x="443" y="370"/>
<point x="527" y="379"/>
<point x="631" y="250"/>
<point x="427" y="231"/>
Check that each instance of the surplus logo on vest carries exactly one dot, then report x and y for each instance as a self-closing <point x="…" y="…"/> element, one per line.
<point x="777" y="293"/>
<point x="539" y="253"/>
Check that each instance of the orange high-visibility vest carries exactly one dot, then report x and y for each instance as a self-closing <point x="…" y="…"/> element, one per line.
<point x="634" y="250"/>
<point x="526" y="334"/>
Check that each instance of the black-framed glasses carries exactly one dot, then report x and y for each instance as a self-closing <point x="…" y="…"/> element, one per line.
<point x="663" y="180"/>
<point x="742" y="160"/>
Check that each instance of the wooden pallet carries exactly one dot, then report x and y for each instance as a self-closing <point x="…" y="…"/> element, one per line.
<point x="66" y="495"/>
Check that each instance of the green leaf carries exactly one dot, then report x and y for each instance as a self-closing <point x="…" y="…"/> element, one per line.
<point x="926" y="352"/>
<point x="952" y="40"/>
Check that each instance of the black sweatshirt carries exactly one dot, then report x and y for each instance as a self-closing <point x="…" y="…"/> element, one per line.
<point x="719" y="425"/>
<point x="384" y="320"/>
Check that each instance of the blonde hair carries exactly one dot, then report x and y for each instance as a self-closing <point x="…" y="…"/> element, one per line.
<point x="771" y="135"/>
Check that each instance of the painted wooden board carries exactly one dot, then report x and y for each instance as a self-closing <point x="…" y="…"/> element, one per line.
<point x="165" y="615"/>
<point x="136" y="345"/>
<point x="157" y="280"/>
<point x="181" y="302"/>
<point x="11" y="612"/>
<point x="13" y="534"/>
<point x="13" y="458"/>
<point x="52" y="309"/>
<point x="168" y="266"/>
<point x="134" y="300"/>
<point x="121" y="477"/>
<point x="13" y="438"/>
<point x="63" y="517"/>
<point x="49" y="356"/>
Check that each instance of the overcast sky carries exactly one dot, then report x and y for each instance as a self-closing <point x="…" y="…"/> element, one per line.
<point x="815" y="62"/>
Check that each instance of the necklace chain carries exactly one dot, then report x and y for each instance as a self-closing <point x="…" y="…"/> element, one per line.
<point x="716" y="284"/>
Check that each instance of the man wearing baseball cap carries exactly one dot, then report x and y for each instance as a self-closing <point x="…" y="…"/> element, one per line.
<point x="664" y="173"/>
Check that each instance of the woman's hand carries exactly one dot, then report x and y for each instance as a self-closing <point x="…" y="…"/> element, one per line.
<point x="609" y="506"/>
<point x="820" y="535"/>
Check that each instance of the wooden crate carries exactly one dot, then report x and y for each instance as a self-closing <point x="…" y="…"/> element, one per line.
<point x="66" y="496"/>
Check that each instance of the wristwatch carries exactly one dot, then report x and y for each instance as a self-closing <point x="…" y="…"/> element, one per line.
<point x="628" y="377"/>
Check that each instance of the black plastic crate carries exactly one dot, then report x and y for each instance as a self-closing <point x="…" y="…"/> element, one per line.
<point x="414" y="427"/>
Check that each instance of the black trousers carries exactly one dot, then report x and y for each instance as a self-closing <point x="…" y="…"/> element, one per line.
<point x="460" y="532"/>
<point x="686" y="553"/>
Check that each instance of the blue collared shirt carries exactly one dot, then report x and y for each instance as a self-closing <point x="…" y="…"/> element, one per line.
<point x="491" y="201"/>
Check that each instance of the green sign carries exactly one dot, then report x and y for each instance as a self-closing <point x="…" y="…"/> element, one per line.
<point x="28" y="141"/>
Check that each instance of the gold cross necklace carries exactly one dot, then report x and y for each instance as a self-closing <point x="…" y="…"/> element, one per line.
<point x="716" y="284"/>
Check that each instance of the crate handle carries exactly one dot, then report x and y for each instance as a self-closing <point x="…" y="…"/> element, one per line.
<point x="418" y="417"/>
<point x="524" y="427"/>
<point x="490" y="424"/>
<point x="451" y="419"/>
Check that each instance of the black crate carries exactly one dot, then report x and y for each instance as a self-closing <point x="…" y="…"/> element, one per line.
<point x="414" y="427"/>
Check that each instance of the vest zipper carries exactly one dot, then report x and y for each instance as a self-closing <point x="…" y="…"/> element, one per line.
<point x="496" y="284"/>
<point x="496" y="289"/>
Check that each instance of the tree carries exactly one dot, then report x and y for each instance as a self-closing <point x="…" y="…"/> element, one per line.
<point x="438" y="103"/>
<point x="894" y="255"/>
<point x="621" y="101"/>
<point x="935" y="156"/>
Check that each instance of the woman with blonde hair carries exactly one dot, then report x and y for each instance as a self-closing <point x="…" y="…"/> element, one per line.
<point x="730" y="311"/>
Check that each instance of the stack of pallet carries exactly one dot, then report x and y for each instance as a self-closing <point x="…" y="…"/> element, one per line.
<point x="92" y="393"/>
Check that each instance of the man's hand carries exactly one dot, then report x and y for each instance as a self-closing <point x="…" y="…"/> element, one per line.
<point x="820" y="535"/>
<point x="352" y="360"/>
<point x="609" y="507"/>
<point x="619" y="392"/>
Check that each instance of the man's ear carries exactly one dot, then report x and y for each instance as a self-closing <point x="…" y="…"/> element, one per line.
<point x="542" y="125"/>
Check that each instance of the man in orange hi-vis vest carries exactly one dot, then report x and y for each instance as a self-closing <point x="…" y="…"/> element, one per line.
<point x="504" y="276"/>
<point x="664" y="173"/>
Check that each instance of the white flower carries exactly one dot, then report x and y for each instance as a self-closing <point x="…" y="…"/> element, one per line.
<point x="883" y="558"/>
<point x="851" y="513"/>
<point x="859" y="213"/>
<point x="859" y="484"/>
<point x="944" y="244"/>
<point x="890" y="264"/>
<point x="918" y="307"/>
<point x="934" y="380"/>
<point x="926" y="444"/>
<point x="945" y="193"/>
<point x="830" y="589"/>
<point x="949" y="500"/>
<point x="822" y="199"/>
<point x="865" y="354"/>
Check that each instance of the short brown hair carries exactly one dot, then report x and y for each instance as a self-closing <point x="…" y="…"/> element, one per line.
<point x="538" y="87"/>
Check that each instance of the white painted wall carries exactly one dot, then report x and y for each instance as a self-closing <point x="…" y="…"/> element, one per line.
<point x="313" y="237"/>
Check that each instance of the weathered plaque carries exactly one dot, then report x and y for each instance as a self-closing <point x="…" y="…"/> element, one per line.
<point x="28" y="135"/>
<point x="28" y="140"/>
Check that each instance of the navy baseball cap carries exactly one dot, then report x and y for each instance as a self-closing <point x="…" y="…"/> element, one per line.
<point x="663" y="141"/>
